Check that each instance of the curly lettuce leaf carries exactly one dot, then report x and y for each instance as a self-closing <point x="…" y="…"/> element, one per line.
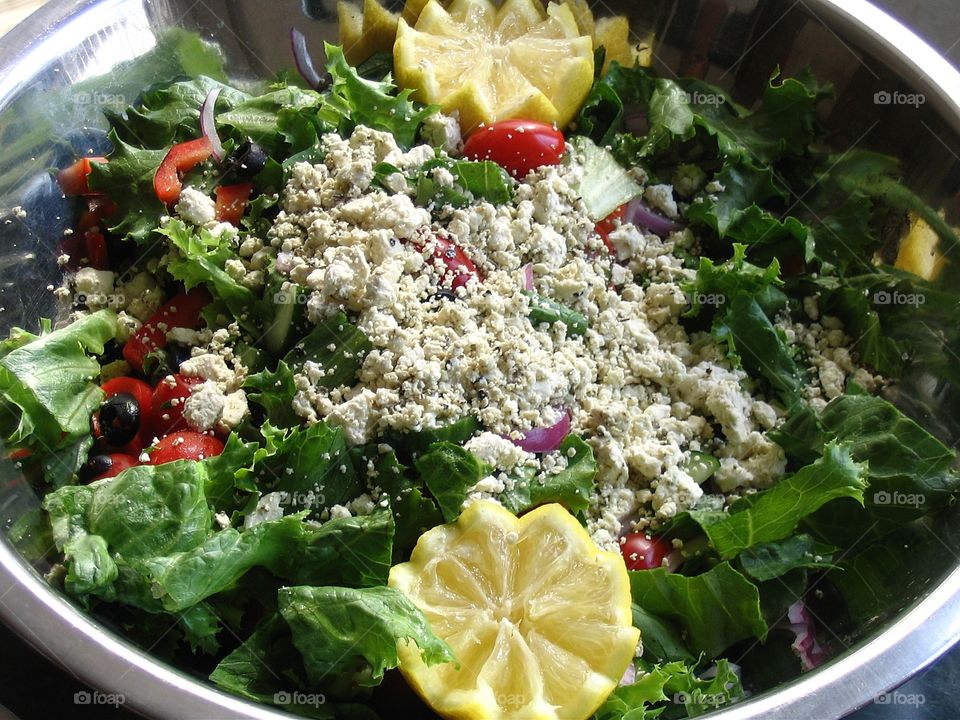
<point x="48" y="382"/>
<point x="354" y="100"/>
<point x="337" y="346"/>
<point x="336" y="629"/>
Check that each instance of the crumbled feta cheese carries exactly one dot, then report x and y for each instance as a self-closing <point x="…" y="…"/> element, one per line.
<point x="196" y="207"/>
<point x="443" y="131"/>
<point x="204" y="408"/>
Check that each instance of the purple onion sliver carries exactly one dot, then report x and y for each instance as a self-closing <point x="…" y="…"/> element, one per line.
<point x="528" y="277"/>
<point x="302" y="59"/>
<point x="629" y="675"/>
<point x="208" y="124"/>
<point x="642" y="215"/>
<point x="805" y="645"/>
<point x="542" y="440"/>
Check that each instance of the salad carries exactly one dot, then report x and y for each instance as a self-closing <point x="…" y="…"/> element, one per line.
<point x="485" y="364"/>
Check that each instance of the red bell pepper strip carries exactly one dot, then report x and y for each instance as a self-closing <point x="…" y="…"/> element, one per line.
<point x="232" y="202"/>
<point x="73" y="178"/>
<point x="608" y="225"/>
<point x="98" y="208"/>
<point x="182" y="311"/>
<point x="95" y="246"/>
<point x="181" y="158"/>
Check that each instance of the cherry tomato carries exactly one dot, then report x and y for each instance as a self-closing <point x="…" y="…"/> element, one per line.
<point x="73" y="178"/>
<point x="185" y="446"/>
<point x="518" y="146"/>
<point x="168" y="398"/>
<point x="608" y="225"/>
<point x="641" y="552"/>
<point x="460" y="268"/>
<point x="232" y="201"/>
<point x="183" y="311"/>
<point x="99" y="467"/>
<point x="181" y="158"/>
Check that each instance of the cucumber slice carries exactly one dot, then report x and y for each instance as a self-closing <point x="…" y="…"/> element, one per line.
<point x="288" y="300"/>
<point x="701" y="466"/>
<point x="606" y="185"/>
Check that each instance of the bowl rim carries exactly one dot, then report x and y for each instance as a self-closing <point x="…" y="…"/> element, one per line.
<point x="67" y="636"/>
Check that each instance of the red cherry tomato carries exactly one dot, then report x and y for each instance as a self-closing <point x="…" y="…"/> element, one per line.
<point x="183" y="311"/>
<point x="168" y="398"/>
<point x="118" y="463"/>
<point x="608" y="225"/>
<point x="232" y="202"/>
<point x="181" y="158"/>
<point x="460" y="268"/>
<point x="185" y="446"/>
<point x="641" y="552"/>
<point x="73" y="178"/>
<point x="518" y="146"/>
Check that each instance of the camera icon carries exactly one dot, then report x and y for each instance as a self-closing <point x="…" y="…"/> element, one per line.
<point x="882" y="297"/>
<point x="882" y="497"/>
<point x="282" y="698"/>
<point x="882" y="98"/>
<point x="82" y="698"/>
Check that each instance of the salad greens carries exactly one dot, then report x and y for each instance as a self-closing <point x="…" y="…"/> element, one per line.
<point x="232" y="549"/>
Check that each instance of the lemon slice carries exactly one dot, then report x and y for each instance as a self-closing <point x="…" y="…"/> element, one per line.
<point x="918" y="252"/>
<point x="371" y="28"/>
<point x="613" y="33"/>
<point x="496" y="63"/>
<point x="538" y="617"/>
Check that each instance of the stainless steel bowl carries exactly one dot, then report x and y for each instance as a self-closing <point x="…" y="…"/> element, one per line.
<point x="65" y="62"/>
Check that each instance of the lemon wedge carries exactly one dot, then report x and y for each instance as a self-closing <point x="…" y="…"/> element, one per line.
<point x="918" y="251"/>
<point x="538" y="617"/>
<point x="489" y="63"/>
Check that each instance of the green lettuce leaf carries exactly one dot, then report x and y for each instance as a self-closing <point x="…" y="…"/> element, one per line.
<point x="49" y="382"/>
<point x="338" y="629"/>
<point x="571" y="486"/>
<point x="354" y="101"/>
<point x="775" y="513"/>
<point x="350" y="347"/>
<point x="775" y="559"/>
<point x="351" y="552"/>
<point x="448" y="471"/>
<point x="274" y="392"/>
<point x="714" y="610"/>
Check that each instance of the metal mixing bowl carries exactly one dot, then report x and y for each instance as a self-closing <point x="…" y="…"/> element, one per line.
<point x="59" y="68"/>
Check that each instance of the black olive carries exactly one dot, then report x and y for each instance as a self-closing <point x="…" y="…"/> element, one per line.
<point x="444" y="294"/>
<point x="178" y="353"/>
<point x="96" y="466"/>
<point x="120" y="418"/>
<point x="244" y="163"/>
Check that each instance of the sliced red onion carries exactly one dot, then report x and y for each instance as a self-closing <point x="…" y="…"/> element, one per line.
<point x="806" y="645"/>
<point x="642" y="215"/>
<point x="303" y="61"/>
<point x="284" y="262"/>
<point x="674" y="561"/>
<point x="528" y="277"/>
<point x="208" y="125"/>
<point x="629" y="675"/>
<point x="542" y="440"/>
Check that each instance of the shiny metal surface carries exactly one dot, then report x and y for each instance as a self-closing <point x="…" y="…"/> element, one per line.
<point x="44" y="117"/>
